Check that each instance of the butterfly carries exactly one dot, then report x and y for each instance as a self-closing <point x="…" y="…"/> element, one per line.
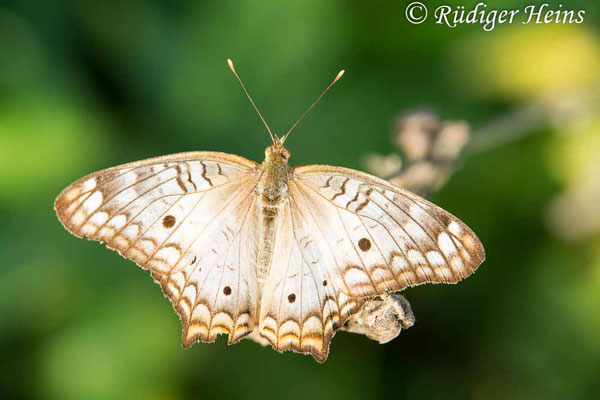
<point x="285" y="254"/>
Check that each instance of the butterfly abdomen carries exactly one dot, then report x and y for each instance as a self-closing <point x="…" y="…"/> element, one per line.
<point x="272" y="191"/>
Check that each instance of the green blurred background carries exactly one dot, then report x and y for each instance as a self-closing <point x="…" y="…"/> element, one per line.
<point x="86" y="85"/>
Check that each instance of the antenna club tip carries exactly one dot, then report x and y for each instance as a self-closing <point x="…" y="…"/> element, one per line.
<point x="230" y="63"/>
<point x="339" y="75"/>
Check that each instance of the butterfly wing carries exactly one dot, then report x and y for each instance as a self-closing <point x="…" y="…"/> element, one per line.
<point x="301" y="308"/>
<point x="182" y="217"/>
<point x="374" y="237"/>
<point x="346" y="236"/>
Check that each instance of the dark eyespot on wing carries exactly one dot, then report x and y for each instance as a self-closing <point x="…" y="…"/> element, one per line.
<point x="364" y="244"/>
<point x="168" y="221"/>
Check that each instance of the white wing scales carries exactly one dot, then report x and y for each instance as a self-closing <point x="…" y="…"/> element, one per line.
<point x="385" y="238"/>
<point x="188" y="219"/>
<point x="301" y="308"/>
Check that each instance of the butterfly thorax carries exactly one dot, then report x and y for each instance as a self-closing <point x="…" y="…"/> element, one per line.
<point x="272" y="195"/>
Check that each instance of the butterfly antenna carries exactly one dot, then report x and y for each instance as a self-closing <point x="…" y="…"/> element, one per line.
<point x="250" y="98"/>
<point x="337" y="78"/>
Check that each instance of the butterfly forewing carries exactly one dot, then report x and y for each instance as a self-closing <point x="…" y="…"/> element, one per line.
<point x="189" y="218"/>
<point x="382" y="238"/>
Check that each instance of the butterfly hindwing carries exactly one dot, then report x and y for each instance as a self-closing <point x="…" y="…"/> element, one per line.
<point x="379" y="238"/>
<point x="301" y="307"/>
<point x="188" y="219"/>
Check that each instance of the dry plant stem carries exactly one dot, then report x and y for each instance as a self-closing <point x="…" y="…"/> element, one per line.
<point x="431" y="150"/>
<point x="416" y="134"/>
<point x="382" y="318"/>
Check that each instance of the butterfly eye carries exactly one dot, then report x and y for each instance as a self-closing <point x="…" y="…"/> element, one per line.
<point x="284" y="154"/>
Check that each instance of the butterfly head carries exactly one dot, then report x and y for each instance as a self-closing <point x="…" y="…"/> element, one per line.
<point x="277" y="153"/>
